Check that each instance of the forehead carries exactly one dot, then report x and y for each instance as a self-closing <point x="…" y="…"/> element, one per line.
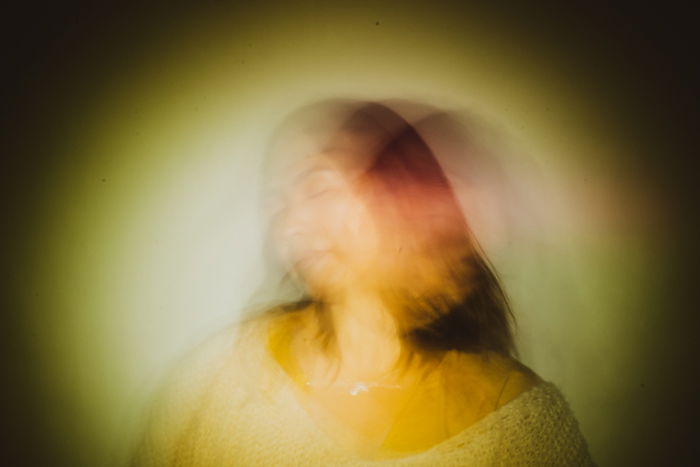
<point x="344" y="147"/>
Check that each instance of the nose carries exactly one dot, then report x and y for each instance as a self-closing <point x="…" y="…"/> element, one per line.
<point x="294" y="235"/>
<point x="291" y="222"/>
<point x="292" y="230"/>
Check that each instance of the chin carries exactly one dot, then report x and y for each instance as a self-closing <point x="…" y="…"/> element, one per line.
<point x="322" y="279"/>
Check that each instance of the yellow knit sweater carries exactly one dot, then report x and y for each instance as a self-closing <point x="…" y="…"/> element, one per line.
<point x="222" y="407"/>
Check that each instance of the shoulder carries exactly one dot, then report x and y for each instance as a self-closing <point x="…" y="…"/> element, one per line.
<point x="537" y="427"/>
<point x="492" y="379"/>
<point x="179" y="396"/>
<point x="224" y="354"/>
<point x="541" y="423"/>
<point x="220" y="368"/>
<point x="517" y="379"/>
<point x="189" y="376"/>
<point x="530" y="419"/>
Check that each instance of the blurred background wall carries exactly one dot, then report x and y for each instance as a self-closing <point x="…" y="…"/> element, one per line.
<point x="131" y="176"/>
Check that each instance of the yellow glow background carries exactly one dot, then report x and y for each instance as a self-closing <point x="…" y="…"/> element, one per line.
<point x="147" y="236"/>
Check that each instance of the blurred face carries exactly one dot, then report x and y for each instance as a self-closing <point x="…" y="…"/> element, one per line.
<point x="371" y="210"/>
<point x="322" y="228"/>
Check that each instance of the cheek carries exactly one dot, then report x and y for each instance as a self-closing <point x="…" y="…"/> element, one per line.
<point x="357" y="230"/>
<point x="336" y="221"/>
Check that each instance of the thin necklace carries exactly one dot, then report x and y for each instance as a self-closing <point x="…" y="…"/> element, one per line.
<point x="353" y="387"/>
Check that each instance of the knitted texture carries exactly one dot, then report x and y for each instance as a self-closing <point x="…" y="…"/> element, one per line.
<point x="222" y="407"/>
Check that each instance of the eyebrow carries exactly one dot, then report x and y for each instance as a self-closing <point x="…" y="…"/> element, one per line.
<point x="316" y="167"/>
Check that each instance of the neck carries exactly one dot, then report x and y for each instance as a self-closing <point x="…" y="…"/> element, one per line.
<point x="366" y="334"/>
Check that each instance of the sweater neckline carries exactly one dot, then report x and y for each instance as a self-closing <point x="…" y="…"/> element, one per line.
<point x="447" y="445"/>
<point x="286" y="387"/>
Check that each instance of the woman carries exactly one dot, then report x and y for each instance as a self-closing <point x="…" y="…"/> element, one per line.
<point x="399" y="349"/>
